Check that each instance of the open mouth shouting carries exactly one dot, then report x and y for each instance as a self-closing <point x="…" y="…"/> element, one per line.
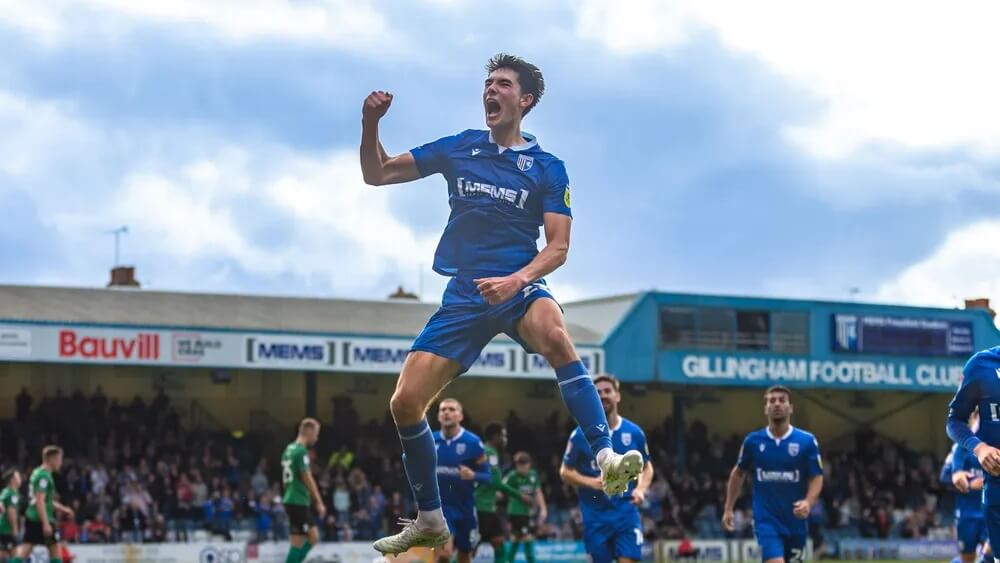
<point x="493" y="109"/>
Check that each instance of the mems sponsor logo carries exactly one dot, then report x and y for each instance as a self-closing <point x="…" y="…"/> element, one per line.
<point x="766" y="476"/>
<point x="279" y="352"/>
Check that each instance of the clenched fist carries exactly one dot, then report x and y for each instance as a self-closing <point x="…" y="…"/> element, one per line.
<point x="376" y="104"/>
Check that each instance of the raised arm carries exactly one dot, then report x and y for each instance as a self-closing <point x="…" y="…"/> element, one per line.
<point x="377" y="167"/>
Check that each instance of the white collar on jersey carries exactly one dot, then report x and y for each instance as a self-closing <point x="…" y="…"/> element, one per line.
<point x="532" y="141"/>
<point x="617" y="428"/>
<point x="778" y="439"/>
<point x="455" y="437"/>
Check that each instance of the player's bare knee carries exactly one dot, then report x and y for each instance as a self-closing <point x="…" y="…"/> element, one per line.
<point x="556" y="346"/>
<point x="313" y="536"/>
<point x="406" y="408"/>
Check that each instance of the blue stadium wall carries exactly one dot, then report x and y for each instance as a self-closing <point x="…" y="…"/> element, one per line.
<point x="842" y="345"/>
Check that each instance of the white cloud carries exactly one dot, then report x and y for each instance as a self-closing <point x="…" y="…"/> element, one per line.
<point x="334" y="228"/>
<point x="190" y="217"/>
<point x="341" y="23"/>
<point x="916" y="73"/>
<point x="965" y="265"/>
<point x="37" y="133"/>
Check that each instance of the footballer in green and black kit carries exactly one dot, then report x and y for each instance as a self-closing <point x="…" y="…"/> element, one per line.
<point x="9" y="511"/>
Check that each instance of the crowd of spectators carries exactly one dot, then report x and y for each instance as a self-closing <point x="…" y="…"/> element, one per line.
<point x="133" y="472"/>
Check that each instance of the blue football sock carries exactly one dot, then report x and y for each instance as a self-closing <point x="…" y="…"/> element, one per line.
<point x="581" y="398"/>
<point x="420" y="461"/>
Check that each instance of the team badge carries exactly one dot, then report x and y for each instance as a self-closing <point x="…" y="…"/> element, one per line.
<point x="460" y="449"/>
<point x="762" y="447"/>
<point x="793" y="449"/>
<point x="566" y="196"/>
<point x="626" y="438"/>
<point x="524" y="162"/>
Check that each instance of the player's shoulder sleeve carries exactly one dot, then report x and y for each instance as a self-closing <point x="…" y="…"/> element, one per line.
<point x="573" y="452"/>
<point x="745" y="459"/>
<point x="969" y="390"/>
<point x="433" y="157"/>
<point x="476" y="447"/>
<point x="641" y="443"/>
<point x="556" y="188"/>
<point x="813" y="457"/>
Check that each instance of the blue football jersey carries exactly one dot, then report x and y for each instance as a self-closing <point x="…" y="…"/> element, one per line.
<point x="981" y="388"/>
<point x="464" y="449"/>
<point x="781" y="468"/>
<point x="970" y="504"/>
<point x="498" y="197"/>
<point x="595" y="504"/>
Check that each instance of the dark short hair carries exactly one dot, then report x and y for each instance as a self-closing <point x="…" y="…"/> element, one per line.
<point x="529" y="76"/>
<point x="522" y="457"/>
<point x="50" y="452"/>
<point x="779" y="389"/>
<point x="610" y="379"/>
<point x="492" y="430"/>
<point x="8" y="475"/>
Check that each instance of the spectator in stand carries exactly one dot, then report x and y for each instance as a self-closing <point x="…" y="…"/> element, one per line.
<point x="68" y="529"/>
<point x="259" y="483"/>
<point x="263" y="518"/>
<point x="22" y="404"/>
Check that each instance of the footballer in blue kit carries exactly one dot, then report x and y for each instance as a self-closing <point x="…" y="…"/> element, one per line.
<point x="612" y="528"/>
<point x="980" y="388"/>
<point x="503" y="189"/>
<point x="786" y="470"/>
<point x="461" y="463"/>
<point x="962" y="471"/>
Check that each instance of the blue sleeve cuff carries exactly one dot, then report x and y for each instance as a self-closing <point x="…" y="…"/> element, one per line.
<point x="970" y="443"/>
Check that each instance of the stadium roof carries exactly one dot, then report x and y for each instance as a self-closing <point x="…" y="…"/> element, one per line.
<point x="231" y="311"/>
<point x="602" y="314"/>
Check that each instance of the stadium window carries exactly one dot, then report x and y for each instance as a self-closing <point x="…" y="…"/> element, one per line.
<point x="753" y="330"/>
<point x="715" y="329"/>
<point x="790" y="332"/>
<point x="676" y="327"/>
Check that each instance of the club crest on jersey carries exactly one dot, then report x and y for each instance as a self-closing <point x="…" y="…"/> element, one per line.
<point x="793" y="449"/>
<point x="460" y="449"/>
<point x="524" y="162"/>
<point x="626" y="438"/>
<point x="762" y="447"/>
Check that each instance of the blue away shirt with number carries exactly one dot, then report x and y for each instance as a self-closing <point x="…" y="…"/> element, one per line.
<point x="980" y="388"/>
<point x="780" y="469"/>
<point x="498" y="197"/>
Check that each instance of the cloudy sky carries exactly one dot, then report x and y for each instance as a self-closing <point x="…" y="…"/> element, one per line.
<point x="781" y="148"/>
